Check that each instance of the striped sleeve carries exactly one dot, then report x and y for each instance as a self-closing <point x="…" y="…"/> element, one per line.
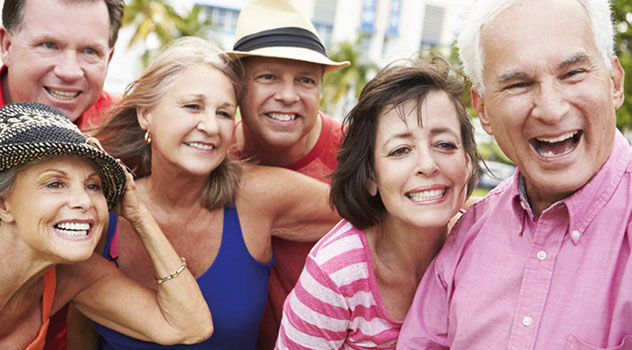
<point x="315" y="314"/>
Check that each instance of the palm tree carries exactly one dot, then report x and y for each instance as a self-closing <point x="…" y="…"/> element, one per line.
<point x="338" y="85"/>
<point x="158" y="19"/>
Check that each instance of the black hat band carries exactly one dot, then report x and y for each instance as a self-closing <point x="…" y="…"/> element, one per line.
<point x="281" y="37"/>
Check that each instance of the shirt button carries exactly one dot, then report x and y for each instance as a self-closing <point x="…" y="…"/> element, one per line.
<point x="575" y="234"/>
<point x="541" y="255"/>
<point x="527" y="321"/>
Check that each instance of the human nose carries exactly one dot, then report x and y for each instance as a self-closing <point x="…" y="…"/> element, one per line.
<point x="68" y="66"/>
<point x="286" y="93"/>
<point x="550" y="104"/>
<point x="208" y="124"/>
<point x="425" y="162"/>
<point x="80" y="199"/>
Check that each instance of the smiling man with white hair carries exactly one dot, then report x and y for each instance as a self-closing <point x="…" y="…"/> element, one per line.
<point x="544" y="261"/>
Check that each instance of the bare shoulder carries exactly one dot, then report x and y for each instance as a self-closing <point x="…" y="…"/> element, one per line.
<point x="74" y="278"/>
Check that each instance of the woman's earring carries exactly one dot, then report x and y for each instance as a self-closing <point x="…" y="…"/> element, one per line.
<point x="147" y="137"/>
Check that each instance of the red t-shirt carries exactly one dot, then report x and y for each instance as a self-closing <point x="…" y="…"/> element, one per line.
<point x="290" y="256"/>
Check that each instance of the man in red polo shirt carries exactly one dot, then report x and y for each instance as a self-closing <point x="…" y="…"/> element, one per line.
<point x="284" y="63"/>
<point x="57" y="52"/>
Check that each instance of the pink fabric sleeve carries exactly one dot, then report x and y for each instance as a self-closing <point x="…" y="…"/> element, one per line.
<point x="426" y="324"/>
<point x="315" y="314"/>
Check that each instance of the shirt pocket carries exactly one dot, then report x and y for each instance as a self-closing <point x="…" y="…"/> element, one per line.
<point x="574" y="343"/>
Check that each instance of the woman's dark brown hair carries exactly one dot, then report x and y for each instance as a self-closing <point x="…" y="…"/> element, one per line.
<point x="390" y="89"/>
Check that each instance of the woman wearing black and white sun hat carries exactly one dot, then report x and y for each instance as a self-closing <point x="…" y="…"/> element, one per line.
<point x="55" y="189"/>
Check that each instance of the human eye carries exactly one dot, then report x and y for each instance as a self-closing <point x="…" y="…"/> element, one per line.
<point x="265" y="77"/>
<point x="54" y="184"/>
<point x="90" y="51"/>
<point x="399" y="151"/>
<point x="192" y="106"/>
<point x="94" y="186"/>
<point x="307" y="80"/>
<point x="225" y="114"/>
<point x="446" y="146"/>
<point x="574" y="74"/>
<point x="48" y="45"/>
<point x="518" y="87"/>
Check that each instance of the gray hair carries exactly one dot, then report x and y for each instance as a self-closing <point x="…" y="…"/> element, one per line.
<point x="472" y="54"/>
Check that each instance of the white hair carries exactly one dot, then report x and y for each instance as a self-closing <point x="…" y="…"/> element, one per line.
<point x="481" y="12"/>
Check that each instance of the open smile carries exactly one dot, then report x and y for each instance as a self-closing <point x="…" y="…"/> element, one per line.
<point x="62" y="95"/>
<point x="556" y="146"/>
<point x="201" y="146"/>
<point x="73" y="230"/>
<point x="283" y="117"/>
<point x="427" y="195"/>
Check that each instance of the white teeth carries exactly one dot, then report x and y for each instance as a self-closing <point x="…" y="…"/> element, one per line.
<point x="201" y="146"/>
<point x="64" y="95"/>
<point x="559" y="138"/>
<point x="73" y="229"/>
<point x="426" y="195"/>
<point x="74" y="226"/>
<point x="547" y="154"/>
<point x="282" y="116"/>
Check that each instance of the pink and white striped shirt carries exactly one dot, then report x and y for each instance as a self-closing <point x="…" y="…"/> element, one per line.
<point x="336" y="303"/>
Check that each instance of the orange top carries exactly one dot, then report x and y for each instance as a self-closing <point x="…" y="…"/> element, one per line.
<point x="50" y="283"/>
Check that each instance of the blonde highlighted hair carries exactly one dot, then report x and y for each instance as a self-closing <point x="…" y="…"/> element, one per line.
<point x="123" y="137"/>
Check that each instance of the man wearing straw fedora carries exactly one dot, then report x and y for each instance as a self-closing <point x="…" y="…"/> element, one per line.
<point x="284" y="63"/>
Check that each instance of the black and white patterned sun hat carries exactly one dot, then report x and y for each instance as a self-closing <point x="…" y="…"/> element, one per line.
<point x="31" y="131"/>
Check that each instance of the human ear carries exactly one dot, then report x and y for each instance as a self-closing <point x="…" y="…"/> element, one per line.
<point x="5" y="43"/>
<point x="479" y="107"/>
<point x="372" y="187"/>
<point x="5" y="213"/>
<point x="144" y="117"/>
<point x="617" y="75"/>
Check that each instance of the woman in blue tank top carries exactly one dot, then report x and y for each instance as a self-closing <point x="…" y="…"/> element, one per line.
<point x="174" y="126"/>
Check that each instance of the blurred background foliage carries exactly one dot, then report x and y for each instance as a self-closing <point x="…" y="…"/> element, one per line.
<point x="622" y="16"/>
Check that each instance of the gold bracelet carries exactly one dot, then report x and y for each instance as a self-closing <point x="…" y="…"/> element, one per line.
<point x="161" y="280"/>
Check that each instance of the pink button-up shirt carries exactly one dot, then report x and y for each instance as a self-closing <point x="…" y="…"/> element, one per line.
<point x="507" y="279"/>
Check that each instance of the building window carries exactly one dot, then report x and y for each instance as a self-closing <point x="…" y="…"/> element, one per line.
<point x="324" y="32"/>
<point x="365" y="44"/>
<point x="323" y="19"/>
<point x="223" y="20"/>
<point x="433" y="26"/>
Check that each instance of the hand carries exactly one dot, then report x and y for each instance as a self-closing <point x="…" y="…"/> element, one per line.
<point x="131" y="206"/>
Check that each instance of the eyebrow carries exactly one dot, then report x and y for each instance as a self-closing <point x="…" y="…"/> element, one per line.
<point x="200" y="97"/>
<point x="434" y="131"/>
<point x="577" y="58"/>
<point x="580" y="57"/>
<point x="56" y="171"/>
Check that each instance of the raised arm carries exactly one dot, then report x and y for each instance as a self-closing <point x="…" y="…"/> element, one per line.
<point x="175" y="313"/>
<point x="299" y="205"/>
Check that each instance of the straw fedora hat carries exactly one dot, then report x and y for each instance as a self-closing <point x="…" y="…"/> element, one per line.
<point x="31" y="131"/>
<point x="278" y="29"/>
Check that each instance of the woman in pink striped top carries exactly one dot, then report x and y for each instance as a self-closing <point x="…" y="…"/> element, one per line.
<point x="406" y="167"/>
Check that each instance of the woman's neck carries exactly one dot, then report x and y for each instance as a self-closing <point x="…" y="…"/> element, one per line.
<point x="407" y="248"/>
<point x="21" y="268"/>
<point x="173" y="190"/>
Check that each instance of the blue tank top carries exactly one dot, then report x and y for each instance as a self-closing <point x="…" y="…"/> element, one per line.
<point x="235" y="287"/>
